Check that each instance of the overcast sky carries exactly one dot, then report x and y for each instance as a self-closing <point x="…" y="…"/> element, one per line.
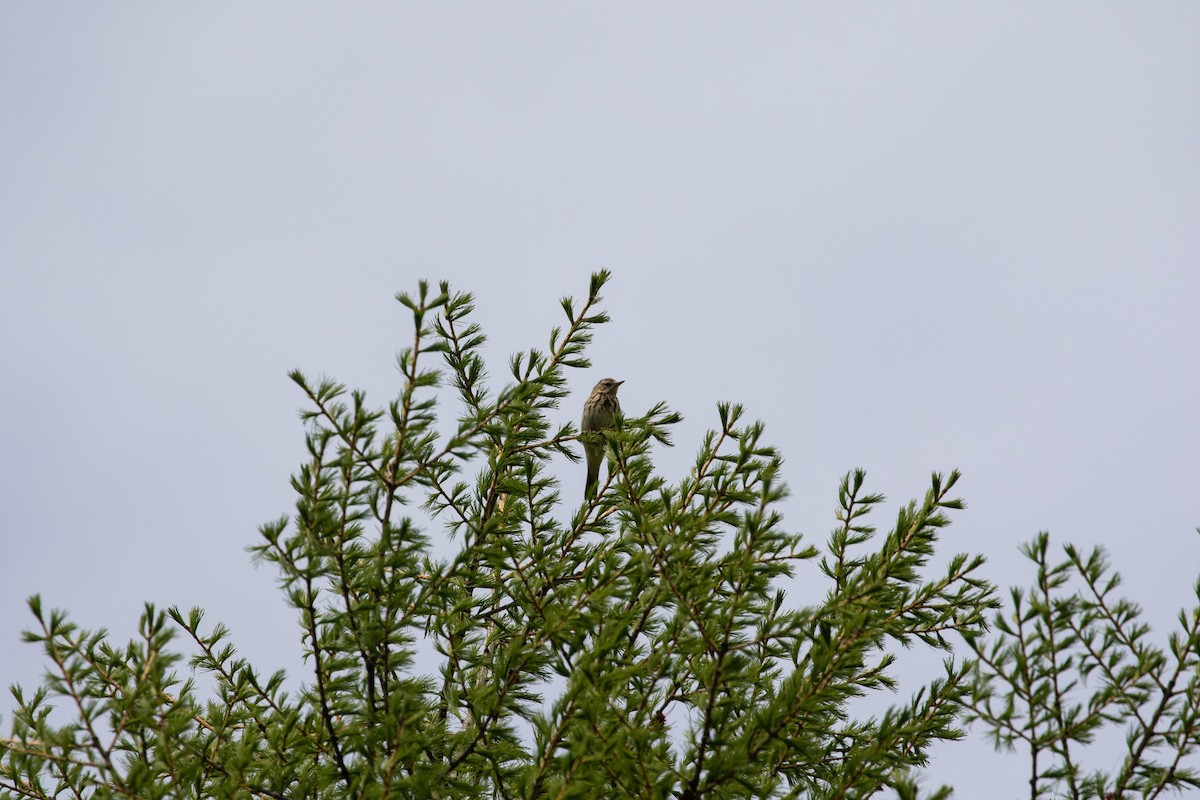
<point x="909" y="237"/>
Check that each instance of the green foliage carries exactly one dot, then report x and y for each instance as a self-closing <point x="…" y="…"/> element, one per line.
<point x="642" y="645"/>
<point x="1071" y="660"/>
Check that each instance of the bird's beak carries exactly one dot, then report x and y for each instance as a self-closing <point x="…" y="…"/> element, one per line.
<point x="619" y="383"/>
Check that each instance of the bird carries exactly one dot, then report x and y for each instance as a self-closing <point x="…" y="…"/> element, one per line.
<point x="599" y="411"/>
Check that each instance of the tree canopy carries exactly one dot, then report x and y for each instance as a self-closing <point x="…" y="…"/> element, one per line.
<point x="642" y="644"/>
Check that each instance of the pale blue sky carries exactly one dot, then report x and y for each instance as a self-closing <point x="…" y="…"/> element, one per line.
<point x="909" y="237"/>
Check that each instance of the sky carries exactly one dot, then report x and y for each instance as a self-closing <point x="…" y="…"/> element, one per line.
<point x="908" y="237"/>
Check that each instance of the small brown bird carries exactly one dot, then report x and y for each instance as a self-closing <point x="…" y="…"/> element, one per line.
<point x="599" y="411"/>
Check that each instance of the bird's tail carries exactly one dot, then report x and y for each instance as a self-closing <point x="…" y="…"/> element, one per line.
<point x="593" y="472"/>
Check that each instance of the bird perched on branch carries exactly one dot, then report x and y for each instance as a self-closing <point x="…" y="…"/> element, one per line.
<point x="599" y="411"/>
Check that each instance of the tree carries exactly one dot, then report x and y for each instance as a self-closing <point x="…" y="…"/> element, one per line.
<point x="1069" y="630"/>
<point x="643" y="645"/>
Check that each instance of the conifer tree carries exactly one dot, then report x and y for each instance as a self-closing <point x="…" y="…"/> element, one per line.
<point x="469" y="632"/>
<point x="1071" y="662"/>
